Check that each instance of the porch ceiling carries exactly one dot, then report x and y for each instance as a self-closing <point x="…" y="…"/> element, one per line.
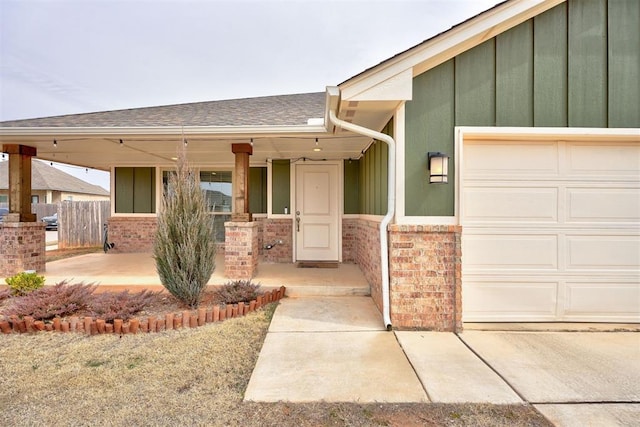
<point x="104" y="151"/>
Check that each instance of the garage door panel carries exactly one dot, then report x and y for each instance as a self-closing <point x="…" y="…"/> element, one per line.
<point x="603" y="252"/>
<point x="600" y="159"/>
<point x="508" y="252"/>
<point x="489" y="159"/>
<point x="509" y="301"/>
<point x="595" y="301"/>
<point x="603" y="205"/>
<point x="551" y="230"/>
<point x="513" y="204"/>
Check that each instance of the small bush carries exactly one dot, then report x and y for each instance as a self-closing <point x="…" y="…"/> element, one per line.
<point x="239" y="291"/>
<point x="23" y="283"/>
<point x="54" y="301"/>
<point x="121" y="305"/>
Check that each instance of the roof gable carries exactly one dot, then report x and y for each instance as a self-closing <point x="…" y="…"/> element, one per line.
<point x="393" y="72"/>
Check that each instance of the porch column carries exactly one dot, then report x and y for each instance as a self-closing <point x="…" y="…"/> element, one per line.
<point x="241" y="183"/>
<point x="20" y="182"/>
<point x="22" y="239"/>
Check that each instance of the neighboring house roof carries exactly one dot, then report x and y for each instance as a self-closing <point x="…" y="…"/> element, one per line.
<point x="281" y="110"/>
<point x="46" y="177"/>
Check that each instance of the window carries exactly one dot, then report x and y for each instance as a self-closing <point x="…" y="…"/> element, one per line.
<point x="35" y="198"/>
<point x="135" y="190"/>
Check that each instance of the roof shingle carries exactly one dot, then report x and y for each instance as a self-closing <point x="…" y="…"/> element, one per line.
<point x="280" y="110"/>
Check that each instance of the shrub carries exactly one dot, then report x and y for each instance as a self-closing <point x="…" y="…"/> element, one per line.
<point x="54" y="301"/>
<point x="121" y="305"/>
<point x="23" y="283"/>
<point x="184" y="247"/>
<point x="239" y="291"/>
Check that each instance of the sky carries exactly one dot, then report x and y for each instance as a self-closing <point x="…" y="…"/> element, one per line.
<point x="65" y="57"/>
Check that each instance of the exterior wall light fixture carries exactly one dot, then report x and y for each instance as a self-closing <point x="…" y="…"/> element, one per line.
<point x="438" y="166"/>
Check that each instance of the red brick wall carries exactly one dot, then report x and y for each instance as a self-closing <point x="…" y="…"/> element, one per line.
<point x="425" y="283"/>
<point x="241" y="250"/>
<point x="367" y="255"/>
<point x="272" y="231"/>
<point x="132" y="234"/>
<point x="349" y="239"/>
<point x="22" y="247"/>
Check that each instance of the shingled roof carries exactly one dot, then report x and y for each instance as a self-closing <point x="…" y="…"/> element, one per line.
<point x="281" y="110"/>
<point x="46" y="177"/>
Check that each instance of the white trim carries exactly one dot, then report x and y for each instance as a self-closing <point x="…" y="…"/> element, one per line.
<point x="399" y="125"/>
<point x="372" y="218"/>
<point x="269" y="185"/>
<point x="428" y="220"/>
<point x="162" y="130"/>
<point x="350" y="216"/>
<point x="473" y="132"/>
<point x="292" y="203"/>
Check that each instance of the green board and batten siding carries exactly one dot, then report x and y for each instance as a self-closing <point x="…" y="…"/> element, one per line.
<point x="365" y="180"/>
<point x="576" y="65"/>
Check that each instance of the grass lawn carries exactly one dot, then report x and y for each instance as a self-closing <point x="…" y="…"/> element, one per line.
<point x="185" y="377"/>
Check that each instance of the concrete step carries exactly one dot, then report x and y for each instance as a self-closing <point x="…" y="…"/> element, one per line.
<point x="327" y="291"/>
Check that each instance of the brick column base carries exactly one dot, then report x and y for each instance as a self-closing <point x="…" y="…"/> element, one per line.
<point x="22" y="247"/>
<point x="241" y="250"/>
<point x="425" y="277"/>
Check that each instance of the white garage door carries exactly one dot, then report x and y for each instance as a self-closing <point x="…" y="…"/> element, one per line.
<point x="551" y="231"/>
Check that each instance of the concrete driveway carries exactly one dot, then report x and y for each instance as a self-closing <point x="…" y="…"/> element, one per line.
<point x="335" y="349"/>
<point x="573" y="378"/>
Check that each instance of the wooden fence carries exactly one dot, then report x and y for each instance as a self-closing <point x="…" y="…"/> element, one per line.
<point x="80" y="223"/>
<point x="42" y="209"/>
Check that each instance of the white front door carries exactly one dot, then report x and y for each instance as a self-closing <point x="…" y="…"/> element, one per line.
<point x="317" y="210"/>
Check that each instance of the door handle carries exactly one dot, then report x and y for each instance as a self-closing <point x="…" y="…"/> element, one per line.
<point x="297" y="221"/>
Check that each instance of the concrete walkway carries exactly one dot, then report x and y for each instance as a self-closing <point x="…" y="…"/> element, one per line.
<point x="335" y="349"/>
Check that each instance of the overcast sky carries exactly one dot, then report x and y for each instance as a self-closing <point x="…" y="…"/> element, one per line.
<point x="63" y="57"/>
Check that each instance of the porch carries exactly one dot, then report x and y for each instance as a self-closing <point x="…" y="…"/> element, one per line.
<point x="138" y="271"/>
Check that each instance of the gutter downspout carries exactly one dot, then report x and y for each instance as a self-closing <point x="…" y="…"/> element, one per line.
<point x="391" y="203"/>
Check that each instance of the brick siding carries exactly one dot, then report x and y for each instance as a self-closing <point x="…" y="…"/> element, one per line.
<point x="274" y="230"/>
<point x="425" y="283"/>
<point x="131" y="234"/>
<point x="366" y="249"/>
<point x="22" y="247"/>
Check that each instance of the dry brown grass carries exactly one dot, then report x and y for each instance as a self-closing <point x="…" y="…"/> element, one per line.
<point x="188" y="377"/>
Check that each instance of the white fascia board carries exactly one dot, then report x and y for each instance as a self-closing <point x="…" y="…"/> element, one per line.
<point x="162" y="130"/>
<point x="397" y="88"/>
<point x="449" y="44"/>
<point x="483" y="132"/>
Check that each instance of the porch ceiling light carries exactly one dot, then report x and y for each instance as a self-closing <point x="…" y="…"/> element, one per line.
<point x="317" y="148"/>
<point x="438" y="166"/>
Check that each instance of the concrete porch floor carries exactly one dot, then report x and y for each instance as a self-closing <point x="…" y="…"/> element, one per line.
<point x="138" y="270"/>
